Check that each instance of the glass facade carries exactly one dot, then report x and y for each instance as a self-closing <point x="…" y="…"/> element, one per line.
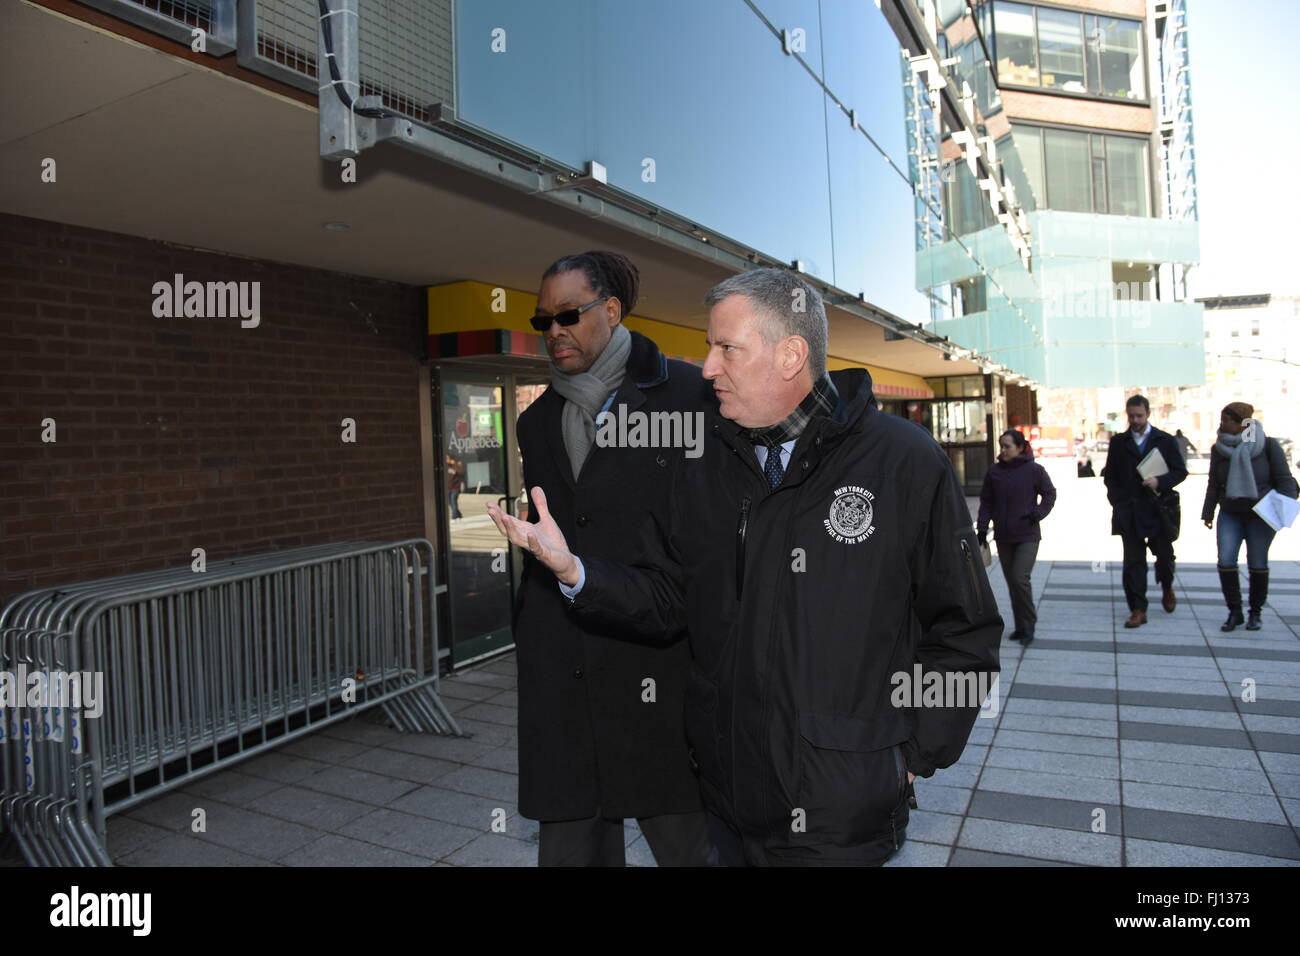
<point x="698" y="109"/>
<point x="1069" y="51"/>
<point x="781" y="125"/>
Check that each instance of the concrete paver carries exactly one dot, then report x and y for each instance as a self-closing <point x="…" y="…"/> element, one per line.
<point x="1110" y="747"/>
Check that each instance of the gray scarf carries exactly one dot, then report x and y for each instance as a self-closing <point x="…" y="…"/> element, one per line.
<point x="1241" y="474"/>
<point x="585" y="392"/>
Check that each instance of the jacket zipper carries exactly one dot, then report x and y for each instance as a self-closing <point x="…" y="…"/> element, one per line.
<point x="740" y="545"/>
<point x="902" y="775"/>
<point x="974" y="578"/>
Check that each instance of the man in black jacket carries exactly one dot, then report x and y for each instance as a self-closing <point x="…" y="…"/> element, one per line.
<point x="824" y="559"/>
<point x="600" y="714"/>
<point x="1135" y="515"/>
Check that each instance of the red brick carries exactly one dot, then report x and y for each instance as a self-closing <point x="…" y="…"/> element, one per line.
<point x="136" y="422"/>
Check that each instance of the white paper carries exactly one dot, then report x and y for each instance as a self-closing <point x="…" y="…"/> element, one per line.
<point x="1153" y="465"/>
<point x="1278" y="510"/>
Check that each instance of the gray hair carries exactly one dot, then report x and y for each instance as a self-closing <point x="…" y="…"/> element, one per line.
<point x="787" y="305"/>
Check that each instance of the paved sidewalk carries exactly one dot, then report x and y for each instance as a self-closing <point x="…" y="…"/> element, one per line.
<point x="1110" y="746"/>
<point x="1146" y="725"/>
<point x="1143" y="725"/>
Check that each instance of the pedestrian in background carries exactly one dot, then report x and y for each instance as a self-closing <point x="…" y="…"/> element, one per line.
<point x="1184" y="444"/>
<point x="1017" y="495"/>
<point x="1082" y="460"/>
<point x="455" y="484"/>
<point x="1245" y="465"/>
<point x="1135" y="514"/>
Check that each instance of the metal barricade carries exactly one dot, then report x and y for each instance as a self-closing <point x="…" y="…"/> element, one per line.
<point x="200" y="669"/>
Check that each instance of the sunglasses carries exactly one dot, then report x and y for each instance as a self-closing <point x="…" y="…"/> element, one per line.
<point x="566" y="318"/>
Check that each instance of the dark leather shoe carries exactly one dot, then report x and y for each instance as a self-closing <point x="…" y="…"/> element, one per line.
<point x="1253" y="623"/>
<point x="1136" y="619"/>
<point x="1014" y="636"/>
<point x="1168" y="601"/>
<point x="1027" y="638"/>
<point x="1234" y="620"/>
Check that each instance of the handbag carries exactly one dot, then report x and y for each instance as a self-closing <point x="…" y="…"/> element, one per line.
<point x="986" y="554"/>
<point x="1170" y="511"/>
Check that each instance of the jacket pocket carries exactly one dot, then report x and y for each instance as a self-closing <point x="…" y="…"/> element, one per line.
<point x="851" y="777"/>
<point x="970" y="574"/>
<point x="701" y="724"/>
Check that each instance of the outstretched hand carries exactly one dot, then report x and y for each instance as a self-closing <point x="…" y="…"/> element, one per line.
<point x="543" y="540"/>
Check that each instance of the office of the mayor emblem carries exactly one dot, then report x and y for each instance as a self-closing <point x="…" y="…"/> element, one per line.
<point x="849" y="521"/>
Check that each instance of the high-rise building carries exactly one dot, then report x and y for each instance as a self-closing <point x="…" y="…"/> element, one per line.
<point x="1056" y="206"/>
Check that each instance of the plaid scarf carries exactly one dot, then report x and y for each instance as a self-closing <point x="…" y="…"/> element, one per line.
<point x="819" y="403"/>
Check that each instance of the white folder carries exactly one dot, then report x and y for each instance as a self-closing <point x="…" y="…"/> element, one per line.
<point x="1278" y="510"/>
<point x="1153" y="465"/>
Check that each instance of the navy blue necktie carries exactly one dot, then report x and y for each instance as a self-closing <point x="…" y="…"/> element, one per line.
<point x="772" y="469"/>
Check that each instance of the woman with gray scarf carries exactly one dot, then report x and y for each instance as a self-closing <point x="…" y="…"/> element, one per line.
<point x="1245" y="465"/>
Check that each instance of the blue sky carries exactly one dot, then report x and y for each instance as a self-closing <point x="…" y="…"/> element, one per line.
<point x="1247" y="142"/>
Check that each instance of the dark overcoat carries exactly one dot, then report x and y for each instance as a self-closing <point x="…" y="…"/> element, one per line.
<point x="1133" y="507"/>
<point x="600" y="711"/>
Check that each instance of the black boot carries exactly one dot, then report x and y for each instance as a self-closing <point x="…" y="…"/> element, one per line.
<point x="1231" y="584"/>
<point x="1258" y="595"/>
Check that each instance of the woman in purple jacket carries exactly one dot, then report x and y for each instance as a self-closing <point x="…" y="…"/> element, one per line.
<point x="1017" y="495"/>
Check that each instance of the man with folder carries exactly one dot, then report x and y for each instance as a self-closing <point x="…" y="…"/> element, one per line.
<point x="1142" y="464"/>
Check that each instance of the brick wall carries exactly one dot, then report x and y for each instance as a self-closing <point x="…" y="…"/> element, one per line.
<point x="1048" y="108"/>
<point x="177" y="433"/>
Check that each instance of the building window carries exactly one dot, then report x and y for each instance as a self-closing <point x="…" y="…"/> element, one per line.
<point x="1060" y="49"/>
<point x="1115" y="57"/>
<point x="1014" y="167"/>
<point x="1029" y="150"/>
<point x="1084" y="172"/>
<point x="967" y="204"/>
<point x="1014" y="44"/>
<point x="1069" y="170"/>
<point x="1126" y="169"/>
<point x="971" y="295"/>
<point x="966" y="385"/>
<point x="1068" y="51"/>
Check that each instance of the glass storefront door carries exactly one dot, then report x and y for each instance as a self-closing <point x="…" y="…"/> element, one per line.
<point x="481" y="466"/>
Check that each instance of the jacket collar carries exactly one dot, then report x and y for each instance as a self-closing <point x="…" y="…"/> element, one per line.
<point x="856" y="403"/>
<point x="646" y="365"/>
<point x="1131" y="445"/>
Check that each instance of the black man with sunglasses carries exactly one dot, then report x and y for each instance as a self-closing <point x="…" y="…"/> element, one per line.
<point x="601" y="738"/>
